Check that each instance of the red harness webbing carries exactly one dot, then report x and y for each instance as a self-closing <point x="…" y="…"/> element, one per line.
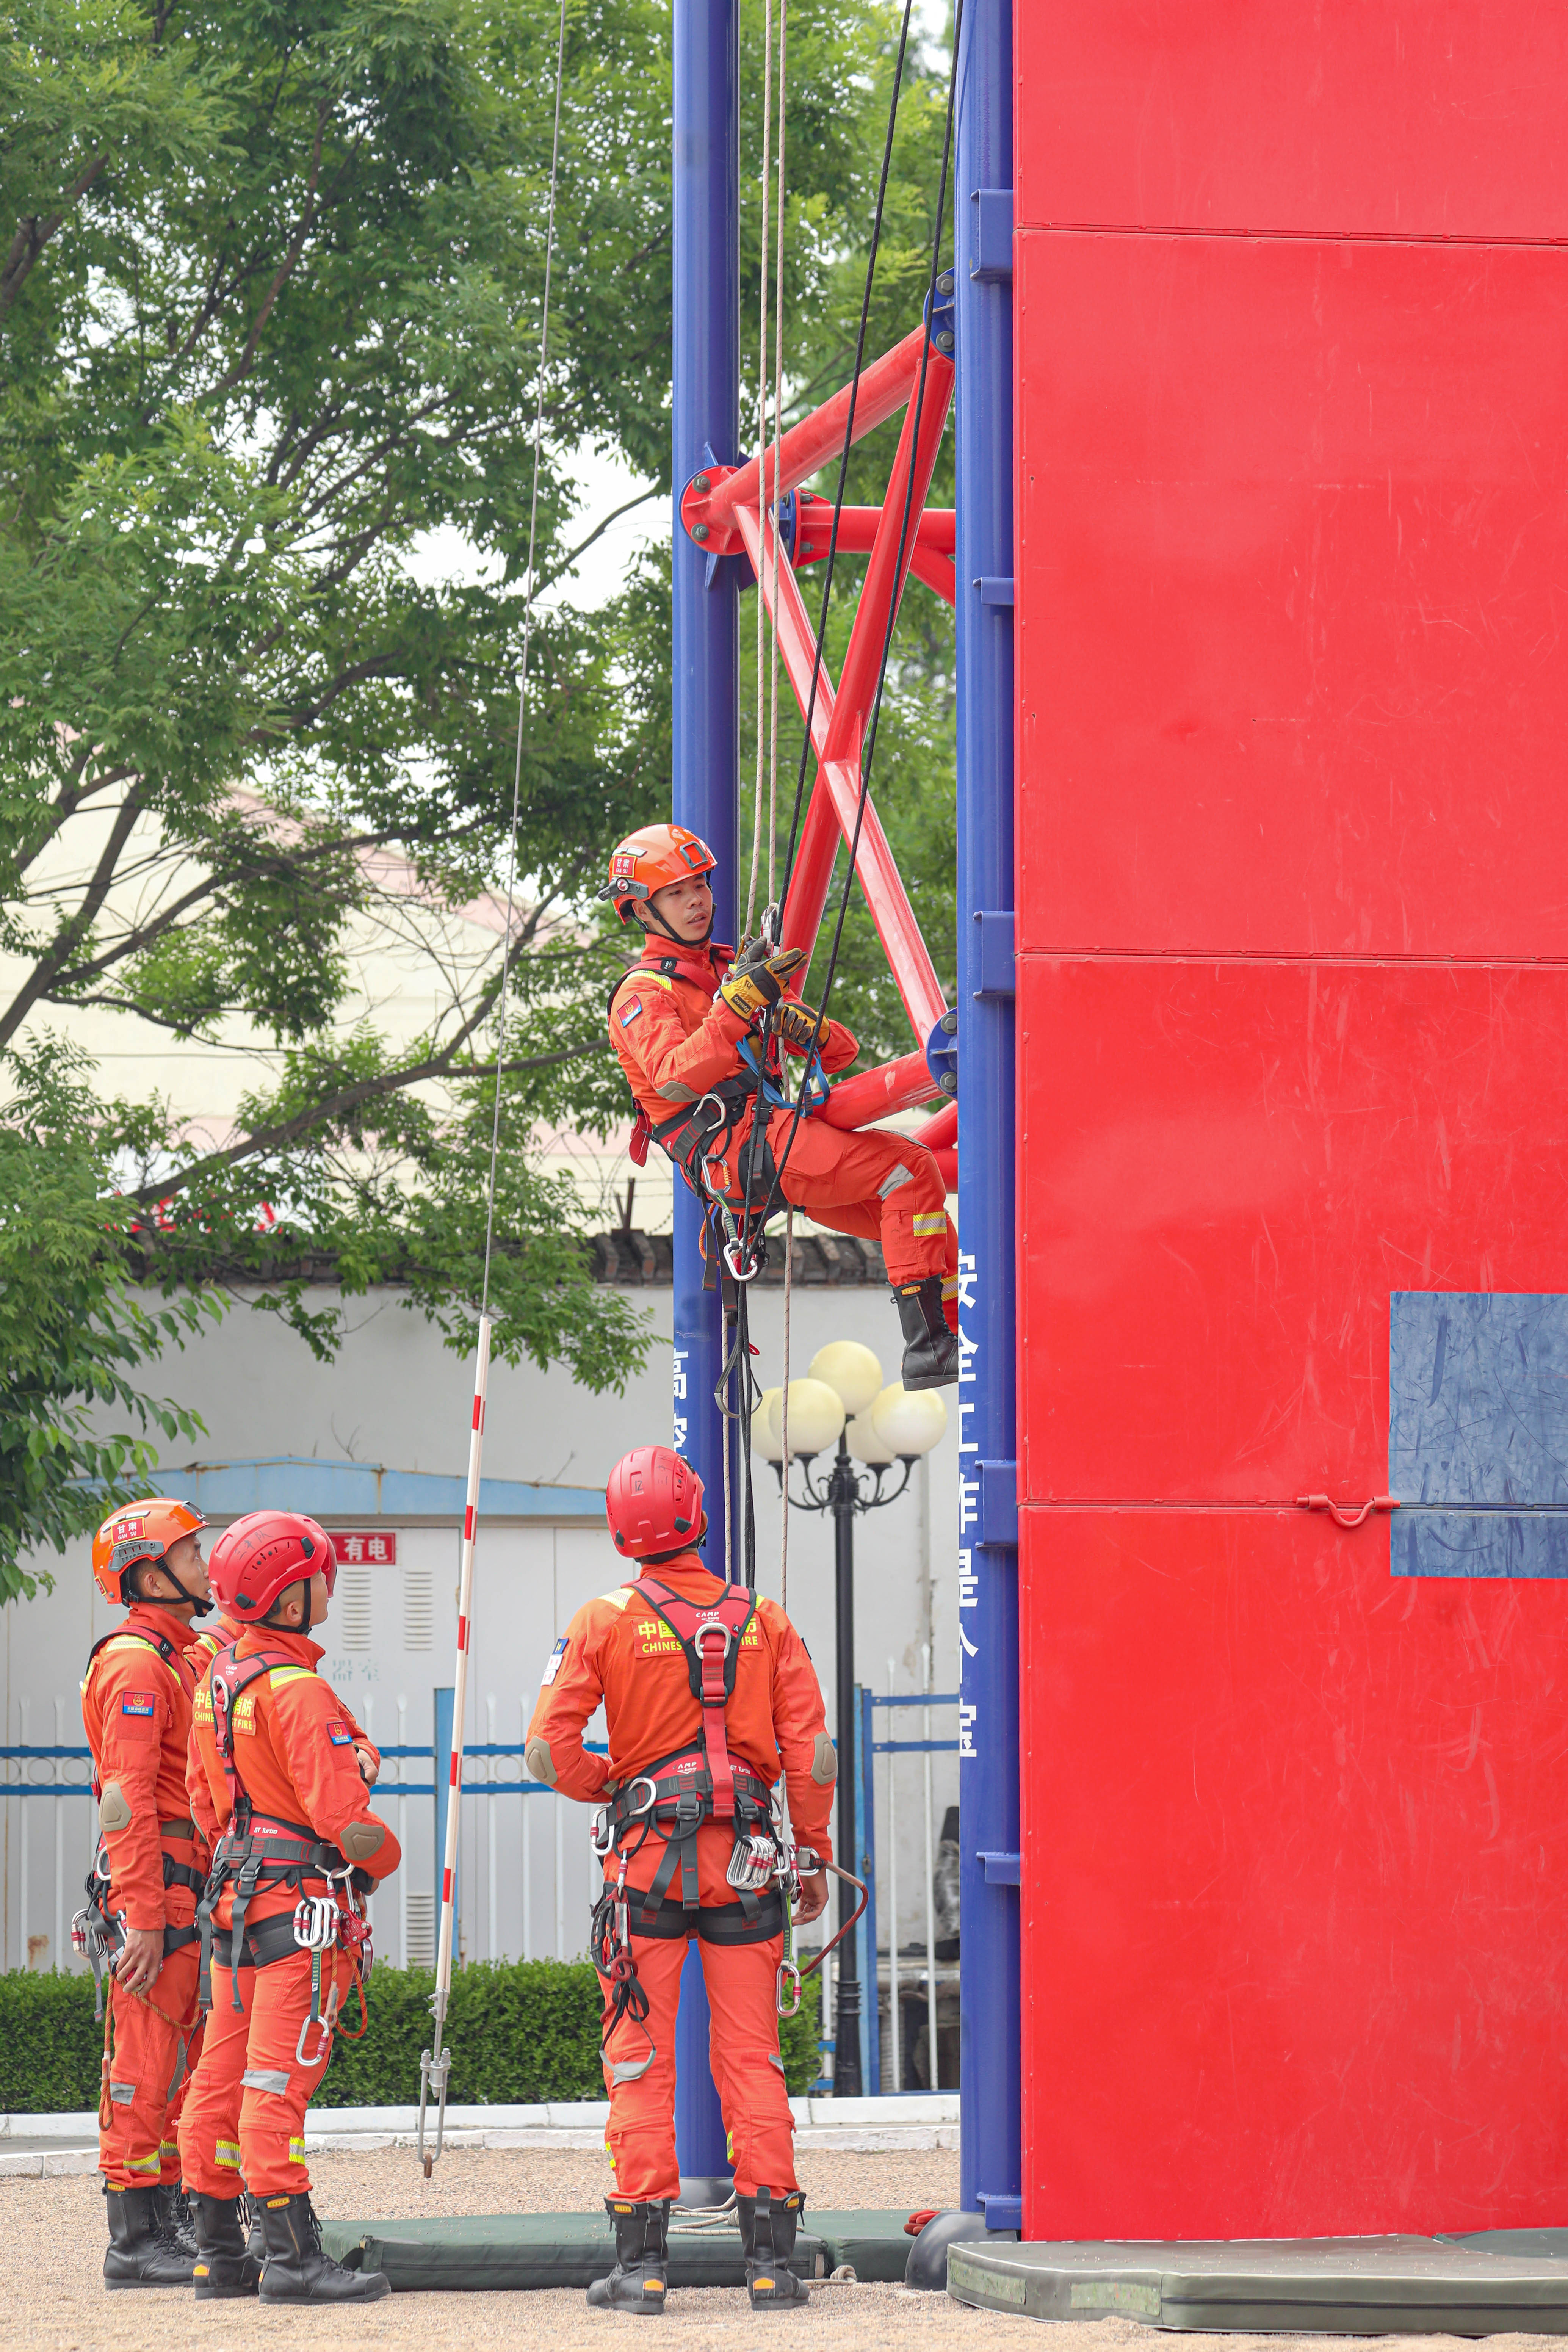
<point x="710" y="1664"/>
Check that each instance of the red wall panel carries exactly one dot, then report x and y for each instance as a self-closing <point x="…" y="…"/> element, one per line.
<point x="1297" y="1899"/>
<point x="1224" y="1170"/>
<point x="1290" y="666"/>
<point x="1349" y="116"/>
<point x="1292" y="401"/>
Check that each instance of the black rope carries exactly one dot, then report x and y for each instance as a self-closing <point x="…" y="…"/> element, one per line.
<point x="759" y="1115"/>
<point x="869" y="747"/>
<point x="848" y="441"/>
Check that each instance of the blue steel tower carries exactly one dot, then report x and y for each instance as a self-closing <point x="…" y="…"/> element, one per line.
<point x="706" y="363"/>
<point x="991" y="2173"/>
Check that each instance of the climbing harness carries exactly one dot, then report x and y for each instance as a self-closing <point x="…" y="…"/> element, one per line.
<point x="96" y="1932"/>
<point x="436" y="2063"/>
<point x="261" y="1850"/>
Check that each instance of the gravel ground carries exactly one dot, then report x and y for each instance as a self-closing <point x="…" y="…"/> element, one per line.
<point x="52" y="2298"/>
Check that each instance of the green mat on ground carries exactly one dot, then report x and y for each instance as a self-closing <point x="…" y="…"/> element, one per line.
<point x="492" y="2250"/>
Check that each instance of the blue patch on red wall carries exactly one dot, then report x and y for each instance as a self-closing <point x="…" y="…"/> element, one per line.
<point x="1478" y="1433"/>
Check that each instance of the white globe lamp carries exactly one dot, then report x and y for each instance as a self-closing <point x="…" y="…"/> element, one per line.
<point x="864" y="1444"/>
<point x="910" y="1423"/>
<point x="765" y="1430"/>
<point x="816" y="1418"/>
<point x="850" y="1369"/>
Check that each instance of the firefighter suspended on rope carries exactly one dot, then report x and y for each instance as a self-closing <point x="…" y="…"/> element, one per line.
<point x="148" y="1868"/>
<point x="275" y="1778"/>
<point x="709" y="1695"/>
<point x="698" y="1036"/>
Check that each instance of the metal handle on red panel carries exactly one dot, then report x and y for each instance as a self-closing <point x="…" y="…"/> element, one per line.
<point x="1341" y="1514"/>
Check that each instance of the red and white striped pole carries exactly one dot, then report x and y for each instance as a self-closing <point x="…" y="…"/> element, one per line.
<point x="434" y="2066"/>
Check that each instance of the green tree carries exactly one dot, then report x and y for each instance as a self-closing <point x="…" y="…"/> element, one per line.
<point x="269" y="317"/>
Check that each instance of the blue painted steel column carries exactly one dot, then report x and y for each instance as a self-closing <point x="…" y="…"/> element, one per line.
<point x="706" y="366"/>
<point x="991" y="2175"/>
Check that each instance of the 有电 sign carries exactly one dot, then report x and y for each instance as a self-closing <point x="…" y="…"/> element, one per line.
<point x="355" y="1545"/>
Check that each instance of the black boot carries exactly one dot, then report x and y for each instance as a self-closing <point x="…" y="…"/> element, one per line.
<point x="640" y="2279"/>
<point x="768" y="2225"/>
<point x="138" y="2256"/>
<point x="931" y="1349"/>
<point x="177" y="2224"/>
<point x="296" y="2269"/>
<point x="225" y="2264"/>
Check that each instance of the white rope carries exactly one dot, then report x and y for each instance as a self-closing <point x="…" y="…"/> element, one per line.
<point x="435" y="2063"/>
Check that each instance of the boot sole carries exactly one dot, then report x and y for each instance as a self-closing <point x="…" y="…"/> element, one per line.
<point x="932" y="1381"/>
<point x="365" y="2296"/>
<point x="223" y="2290"/>
<point x="770" y="2298"/>
<point x="164" y="2286"/>
<point x="645" y="2306"/>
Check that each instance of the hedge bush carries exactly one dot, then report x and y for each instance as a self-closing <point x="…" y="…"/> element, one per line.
<point x="520" y="2032"/>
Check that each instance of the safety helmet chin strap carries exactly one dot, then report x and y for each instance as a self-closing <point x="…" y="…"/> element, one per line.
<point x="162" y="1600"/>
<point x="646" y="906"/>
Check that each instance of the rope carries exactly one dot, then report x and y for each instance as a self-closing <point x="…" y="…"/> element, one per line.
<point x="766" y="190"/>
<point x="849" y="430"/>
<point x="435" y="2066"/>
<point x="784" y="1410"/>
<point x="870" y="746"/>
<point x="778" y="436"/>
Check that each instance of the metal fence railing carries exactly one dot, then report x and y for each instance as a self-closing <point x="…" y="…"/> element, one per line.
<point x="44" y="1859"/>
<point x="880" y="1871"/>
<point x="513" y="1880"/>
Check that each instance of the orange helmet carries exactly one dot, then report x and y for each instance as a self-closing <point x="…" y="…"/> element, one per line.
<point x="646" y="860"/>
<point x="138" y="1532"/>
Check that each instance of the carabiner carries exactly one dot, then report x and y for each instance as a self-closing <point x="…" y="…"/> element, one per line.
<point x="732" y="1253"/>
<point x="324" y="2026"/>
<point x="636" y="1813"/>
<point x="786" y="1968"/>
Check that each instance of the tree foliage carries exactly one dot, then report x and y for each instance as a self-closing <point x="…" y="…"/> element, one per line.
<point x="269" y="322"/>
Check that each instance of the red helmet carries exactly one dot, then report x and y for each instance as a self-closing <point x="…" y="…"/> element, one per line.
<point x="649" y="859"/>
<point x="261" y="1555"/>
<point x="654" y="1503"/>
<point x="137" y="1532"/>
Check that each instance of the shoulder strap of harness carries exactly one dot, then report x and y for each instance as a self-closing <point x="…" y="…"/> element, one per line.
<point x="159" y="1641"/>
<point x="710" y="1638"/>
<point x="231" y="1677"/>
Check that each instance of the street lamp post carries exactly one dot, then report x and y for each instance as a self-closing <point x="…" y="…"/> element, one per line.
<point x="843" y="1399"/>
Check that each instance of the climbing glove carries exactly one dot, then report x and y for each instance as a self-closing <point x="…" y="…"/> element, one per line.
<point x="750" y="988"/>
<point x="796" y="1025"/>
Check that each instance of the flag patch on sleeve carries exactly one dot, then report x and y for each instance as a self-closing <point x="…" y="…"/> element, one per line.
<point x="630" y="1015"/>
<point x="340" y="1735"/>
<point x="552" y="1665"/>
<point x="137" y="1702"/>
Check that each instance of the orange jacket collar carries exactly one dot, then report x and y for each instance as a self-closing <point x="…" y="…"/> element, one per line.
<point x="298" y="1646"/>
<point x="686" y="1570"/>
<point x="146" y="1617"/>
<point x="701" y="965"/>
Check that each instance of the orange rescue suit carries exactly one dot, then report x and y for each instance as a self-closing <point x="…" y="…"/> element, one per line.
<point x="295" y="1757"/>
<point x="675" y="1038"/>
<point x="136" y="1710"/>
<point x="617" y="1651"/>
